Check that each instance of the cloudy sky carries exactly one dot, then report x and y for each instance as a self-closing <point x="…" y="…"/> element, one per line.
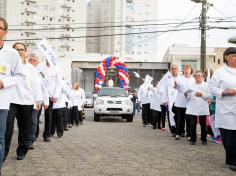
<point x="186" y="10"/>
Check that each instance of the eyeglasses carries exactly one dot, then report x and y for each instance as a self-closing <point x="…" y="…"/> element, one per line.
<point x="19" y="49"/>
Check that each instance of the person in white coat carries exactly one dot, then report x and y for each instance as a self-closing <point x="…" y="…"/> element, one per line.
<point x="51" y="79"/>
<point x="197" y="106"/>
<point x="24" y="96"/>
<point x="182" y="85"/>
<point x="223" y="86"/>
<point x="145" y="99"/>
<point x="155" y="106"/>
<point x="11" y="73"/>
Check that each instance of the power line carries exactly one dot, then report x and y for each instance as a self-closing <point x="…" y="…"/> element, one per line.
<point x="107" y="35"/>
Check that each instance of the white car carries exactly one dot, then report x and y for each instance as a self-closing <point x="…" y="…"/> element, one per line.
<point x="113" y="101"/>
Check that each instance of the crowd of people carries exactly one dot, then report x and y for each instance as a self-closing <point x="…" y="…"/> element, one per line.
<point x="190" y="98"/>
<point x="26" y="88"/>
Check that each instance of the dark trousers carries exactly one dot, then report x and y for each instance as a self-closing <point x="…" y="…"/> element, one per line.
<point x="229" y="142"/>
<point x="156" y="116"/>
<point x="146" y="113"/>
<point x="23" y="114"/>
<point x="81" y="116"/>
<point x="74" y="115"/>
<point x="57" y="122"/>
<point x="180" y="123"/>
<point x="48" y="120"/>
<point x="171" y="127"/>
<point x="38" y="117"/>
<point x="164" y="111"/>
<point x="33" y="126"/>
<point x="193" y="127"/>
<point x="188" y="125"/>
<point x="65" y="115"/>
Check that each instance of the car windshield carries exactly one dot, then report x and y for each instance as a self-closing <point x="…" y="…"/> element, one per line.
<point x="113" y="92"/>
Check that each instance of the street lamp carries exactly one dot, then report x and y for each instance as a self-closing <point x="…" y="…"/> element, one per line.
<point x="203" y="32"/>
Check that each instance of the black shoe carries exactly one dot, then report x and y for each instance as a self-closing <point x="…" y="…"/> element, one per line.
<point x="66" y="129"/>
<point x="31" y="147"/>
<point x="232" y="167"/>
<point x="20" y="156"/>
<point x="192" y="143"/>
<point x="182" y="135"/>
<point x="70" y="126"/>
<point x="47" y="139"/>
<point x="59" y="134"/>
<point x="204" y="142"/>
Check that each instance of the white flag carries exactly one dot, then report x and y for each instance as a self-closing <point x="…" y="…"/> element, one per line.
<point x="47" y="50"/>
<point x="136" y="74"/>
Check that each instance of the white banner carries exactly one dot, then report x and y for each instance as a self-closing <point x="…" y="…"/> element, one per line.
<point x="47" y="50"/>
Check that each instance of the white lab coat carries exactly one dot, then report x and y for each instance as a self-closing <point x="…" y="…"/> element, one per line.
<point x="155" y="99"/>
<point x="81" y="99"/>
<point x="183" y="84"/>
<point x="198" y="106"/>
<point x="143" y="94"/>
<point x="51" y="79"/>
<point x="29" y="90"/>
<point x="11" y="73"/>
<point x="225" y="113"/>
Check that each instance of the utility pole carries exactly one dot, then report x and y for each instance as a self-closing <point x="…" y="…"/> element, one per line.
<point x="203" y="34"/>
<point x="203" y="25"/>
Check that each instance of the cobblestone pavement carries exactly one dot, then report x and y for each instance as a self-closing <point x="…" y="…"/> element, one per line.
<point x="115" y="147"/>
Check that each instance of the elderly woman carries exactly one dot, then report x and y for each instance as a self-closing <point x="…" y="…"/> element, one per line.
<point x="223" y="86"/>
<point x="197" y="106"/>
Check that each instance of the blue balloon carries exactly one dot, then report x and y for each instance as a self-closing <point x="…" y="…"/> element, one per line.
<point x="98" y="75"/>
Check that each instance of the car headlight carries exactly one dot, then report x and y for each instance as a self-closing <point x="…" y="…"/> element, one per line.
<point x="128" y="103"/>
<point x="99" y="102"/>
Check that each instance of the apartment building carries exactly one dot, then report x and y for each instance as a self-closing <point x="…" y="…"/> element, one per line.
<point x="120" y="17"/>
<point x="62" y="22"/>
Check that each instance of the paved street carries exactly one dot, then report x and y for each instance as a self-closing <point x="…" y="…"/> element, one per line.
<point x="115" y="147"/>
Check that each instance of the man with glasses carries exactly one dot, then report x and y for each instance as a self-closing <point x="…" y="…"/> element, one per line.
<point x="10" y="74"/>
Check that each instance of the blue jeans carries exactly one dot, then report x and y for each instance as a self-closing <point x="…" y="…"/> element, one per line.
<point x="3" y="121"/>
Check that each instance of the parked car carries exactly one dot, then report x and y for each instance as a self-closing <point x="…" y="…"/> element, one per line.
<point x="88" y="100"/>
<point x="113" y="101"/>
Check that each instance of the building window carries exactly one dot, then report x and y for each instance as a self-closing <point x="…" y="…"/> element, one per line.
<point x="27" y="3"/>
<point x="214" y="59"/>
<point x="219" y="61"/>
<point x="22" y="13"/>
<point x="50" y="19"/>
<point x="43" y="18"/>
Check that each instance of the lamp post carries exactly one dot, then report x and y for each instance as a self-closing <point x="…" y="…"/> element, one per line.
<point x="203" y="32"/>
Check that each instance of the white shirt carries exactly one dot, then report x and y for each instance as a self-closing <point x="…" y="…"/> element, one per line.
<point x="155" y="99"/>
<point x="51" y="79"/>
<point x="29" y="90"/>
<point x="143" y="94"/>
<point x="198" y="106"/>
<point x="183" y="84"/>
<point x="11" y="73"/>
<point x="225" y="113"/>
<point x="81" y="99"/>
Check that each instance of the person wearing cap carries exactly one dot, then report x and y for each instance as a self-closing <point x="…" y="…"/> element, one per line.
<point x="223" y="86"/>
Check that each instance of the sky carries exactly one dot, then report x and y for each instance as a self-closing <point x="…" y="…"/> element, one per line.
<point x="186" y="10"/>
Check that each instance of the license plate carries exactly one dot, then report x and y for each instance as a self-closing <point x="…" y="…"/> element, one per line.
<point x="114" y="112"/>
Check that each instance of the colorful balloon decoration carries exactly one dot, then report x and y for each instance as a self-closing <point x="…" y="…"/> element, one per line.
<point x="123" y="72"/>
